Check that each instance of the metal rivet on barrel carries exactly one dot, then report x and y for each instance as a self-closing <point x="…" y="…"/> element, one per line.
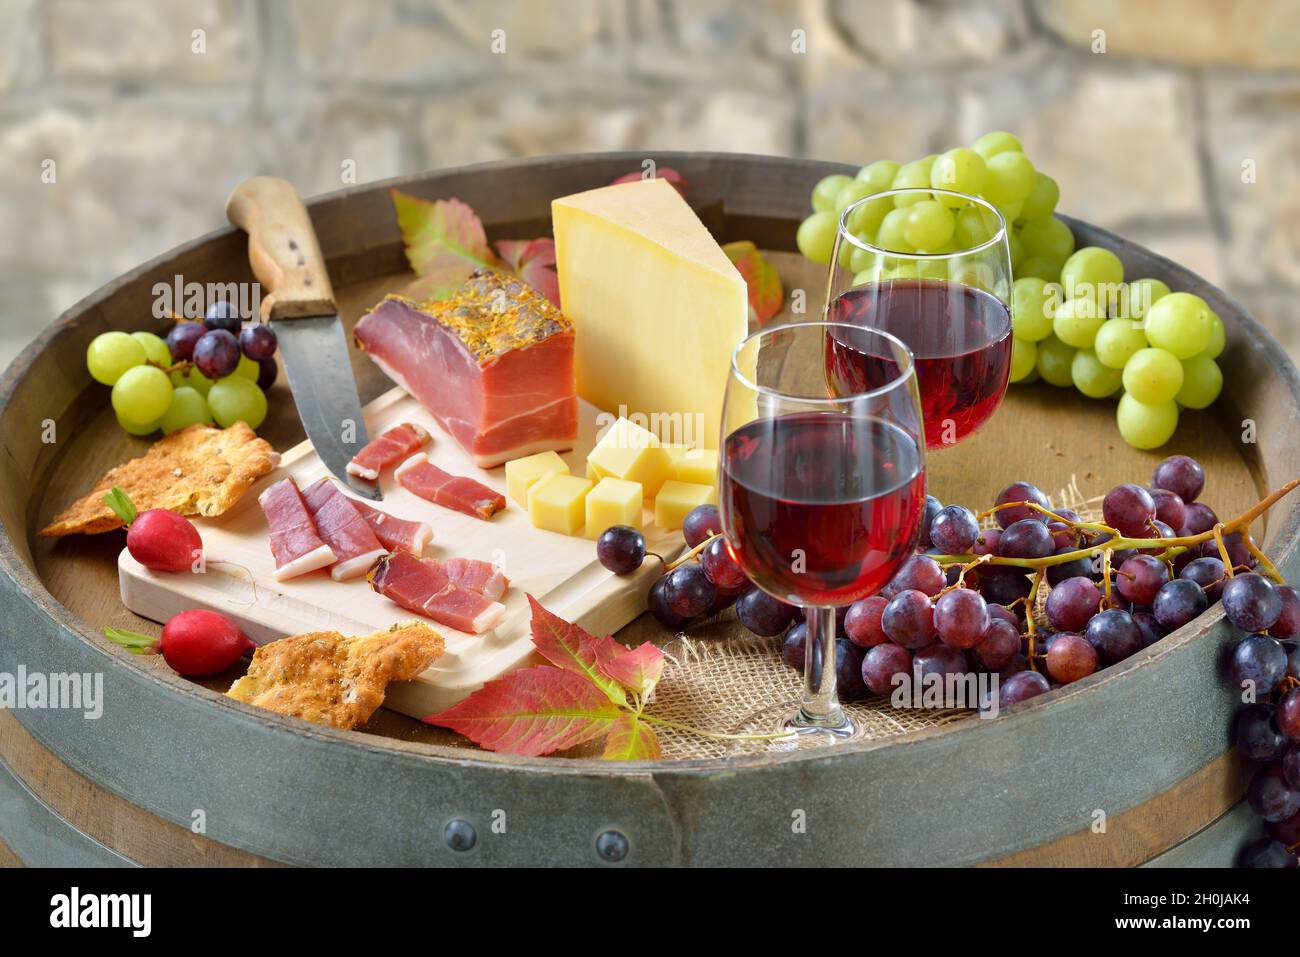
<point x="459" y="835"/>
<point x="611" y="846"/>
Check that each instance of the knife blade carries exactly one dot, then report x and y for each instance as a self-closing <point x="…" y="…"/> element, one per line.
<point x="298" y="302"/>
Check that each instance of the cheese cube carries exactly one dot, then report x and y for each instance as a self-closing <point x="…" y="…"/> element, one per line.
<point x="555" y="503"/>
<point x="613" y="502"/>
<point x="675" y="452"/>
<point x="676" y="499"/>
<point x="698" y="466"/>
<point x="631" y="453"/>
<point x="522" y="473"/>
<point x="657" y="307"/>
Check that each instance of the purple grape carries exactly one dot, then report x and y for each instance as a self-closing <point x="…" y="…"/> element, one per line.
<point x="882" y="663"/>
<point x="224" y="316"/>
<point x="216" y="354"/>
<point x="1063" y="534"/>
<point x="1070" y="658"/>
<point x="1271" y="796"/>
<point x="1027" y="538"/>
<point x="1208" y="574"/>
<point x="258" y="342"/>
<point x="1148" y="626"/>
<point x="1288" y="714"/>
<point x="1288" y="620"/>
<point x="794" y="647"/>
<point x="1287" y="831"/>
<point x="1170" y="508"/>
<point x="922" y="573"/>
<point x="267" y="370"/>
<point x="1083" y="567"/>
<point x="1140" y="577"/>
<point x="1178" y="602"/>
<point x="954" y="530"/>
<point x="1267" y="853"/>
<point x="987" y="543"/>
<point x="657" y="603"/>
<point x="1071" y="603"/>
<point x="999" y="645"/>
<point x="764" y="615"/>
<point x="1158" y="530"/>
<point x="700" y="523"/>
<point x="942" y="660"/>
<point x="1256" y="734"/>
<point x="621" y="549"/>
<point x="1291" y="768"/>
<point x="1258" y="662"/>
<point x="1292" y="660"/>
<point x="932" y="507"/>
<point x="1181" y="475"/>
<point x="1239" y="556"/>
<point x="182" y="338"/>
<point x="1020" y="492"/>
<point x="1200" y="518"/>
<point x="1114" y="634"/>
<point x="1005" y="613"/>
<point x="689" y="592"/>
<point x="960" y="618"/>
<point x="1251" y="602"/>
<point x="720" y="567"/>
<point x="908" y="619"/>
<point x="724" y="600"/>
<point x="862" y="622"/>
<point x="1003" y="587"/>
<point x="1129" y="509"/>
<point x="1021" y="686"/>
<point x="848" y="670"/>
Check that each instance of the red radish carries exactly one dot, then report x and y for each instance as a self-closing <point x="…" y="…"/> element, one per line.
<point x="163" y="541"/>
<point x="200" y="643"/>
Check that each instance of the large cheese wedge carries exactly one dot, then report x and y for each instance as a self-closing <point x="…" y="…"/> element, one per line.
<point x="657" y="307"/>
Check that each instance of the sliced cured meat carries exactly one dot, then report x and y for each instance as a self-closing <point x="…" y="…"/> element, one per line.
<point x="474" y="574"/>
<point x="422" y="587"/>
<point x="493" y="364"/>
<point x="421" y="477"/>
<point x="344" y="530"/>
<point x="395" y="534"/>
<point x="295" y="541"/>
<point x="388" y="449"/>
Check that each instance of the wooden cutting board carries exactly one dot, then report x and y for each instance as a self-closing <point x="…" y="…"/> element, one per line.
<point x="560" y="571"/>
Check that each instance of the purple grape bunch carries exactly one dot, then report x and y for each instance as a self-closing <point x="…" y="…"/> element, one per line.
<point x="216" y="344"/>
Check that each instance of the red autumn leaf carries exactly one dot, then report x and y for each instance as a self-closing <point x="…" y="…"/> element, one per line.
<point x="533" y="261"/>
<point x="637" y="669"/>
<point x="766" y="294"/>
<point x="533" y="711"/>
<point x="662" y="172"/>
<point x="631" y="739"/>
<point x="445" y="242"/>
<point x="567" y="646"/>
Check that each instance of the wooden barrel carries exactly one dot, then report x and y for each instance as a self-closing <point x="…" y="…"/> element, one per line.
<point x="1121" y="768"/>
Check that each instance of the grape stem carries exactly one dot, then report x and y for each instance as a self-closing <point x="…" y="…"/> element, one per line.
<point x="1030" y="633"/>
<point x="689" y="556"/>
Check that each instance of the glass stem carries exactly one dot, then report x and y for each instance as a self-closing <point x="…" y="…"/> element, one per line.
<point x="821" y="705"/>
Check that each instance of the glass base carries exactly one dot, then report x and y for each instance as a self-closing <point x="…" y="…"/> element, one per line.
<point x="837" y="726"/>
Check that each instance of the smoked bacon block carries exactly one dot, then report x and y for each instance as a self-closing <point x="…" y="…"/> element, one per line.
<point x="493" y="364"/>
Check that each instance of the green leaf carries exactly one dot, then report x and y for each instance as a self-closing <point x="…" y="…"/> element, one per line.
<point x="132" y="641"/>
<point x="121" y="505"/>
<point x="631" y="739"/>
<point x="445" y="242"/>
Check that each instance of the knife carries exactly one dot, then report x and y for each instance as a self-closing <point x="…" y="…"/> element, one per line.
<point x="298" y="301"/>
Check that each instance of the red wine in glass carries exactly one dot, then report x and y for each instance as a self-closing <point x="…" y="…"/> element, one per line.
<point x="823" y="506"/>
<point x="960" y="335"/>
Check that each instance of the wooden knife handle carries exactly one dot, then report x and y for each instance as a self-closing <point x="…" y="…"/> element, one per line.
<point x="282" y="248"/>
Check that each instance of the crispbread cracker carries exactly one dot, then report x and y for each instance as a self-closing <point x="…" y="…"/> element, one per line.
<point x="200" y="470"/>
<point x="328" y="679"/>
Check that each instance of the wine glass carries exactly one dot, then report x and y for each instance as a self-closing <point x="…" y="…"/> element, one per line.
<point x="821" y="494"/>
<point x="950" y="305"/>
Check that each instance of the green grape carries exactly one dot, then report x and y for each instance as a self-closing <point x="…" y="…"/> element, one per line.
<point x="861" y="260"/>
<point x="1016" y="247"/>
<point x="850" y="193"/>
<point x="899" y="270"/>
<point x="1093" y="379"/>
<point x="155" y="349"/>
<point x="248" y="368"/>
<point x="827" y="188"/>
<point x="929" y="225"/>
<point x="1077" y="321"/>
<point x="1048" y="237"/>
<point x="1153" y="376"/>
<point x="960" y="170"/>
<point x="234" y="399"/>
<point x="1011" y="212"/>
<point x="999" y="141"/>
<point x="1117" y="340"/>
<point x="863" y="277"/>
<point x="864" y="220"/>
<point x="1009" y="178"/>
<point x="1202" y="382"/>
<point x="913" y="175"/>
<point x="1145" y="425"/>
<point x="976" y="275"/>
<point x="131" y="428"/>
<point x="1024" y="358"/>
<point x="972" y="227"/>
<point x="1179" y="323"/>
<point x="1218" y="337"/>
<point x="142" y="394"/>
<point x="1139" y="295"/>
<point x="110" y="354"/>
<point x="891" y="233"/>
<point x="1043" y="267"/>
<point x="1042" y="199"/>
<point x="1033" y="305"/>
<point x="193" y="379"/>
<point x="816" y="235"/>
<point x="879" y="174"/>
<point x="188" y="408"/>
<point x="1091" y="268"/>
<point x="1055" y="359"/>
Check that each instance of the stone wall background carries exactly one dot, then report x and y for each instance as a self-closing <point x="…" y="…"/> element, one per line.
<point x="1153" y="137"/>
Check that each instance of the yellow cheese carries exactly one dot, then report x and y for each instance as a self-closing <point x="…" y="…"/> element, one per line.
<point x="657" y="306"/>
<point x="613" y="502"/>
<point x="699" y="466"/>
<point x="632" y="453"/>
<point x="676" y="499"/>
<point x="555" y="503"/>
<point x="675" y="453"/>
<point x="522" y="473"/>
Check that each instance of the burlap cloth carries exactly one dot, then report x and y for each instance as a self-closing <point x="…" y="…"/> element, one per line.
<point x="720" y="677"/>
